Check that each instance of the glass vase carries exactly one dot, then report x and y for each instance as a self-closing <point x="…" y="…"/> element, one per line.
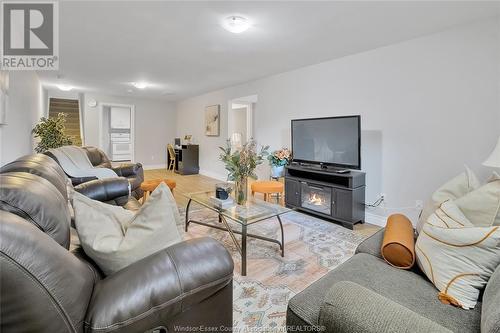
<point x="241" y="190"/>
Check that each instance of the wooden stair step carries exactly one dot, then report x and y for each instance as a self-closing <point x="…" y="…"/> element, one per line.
<point x="63" y="102"/>
<point x="70" y="107"/>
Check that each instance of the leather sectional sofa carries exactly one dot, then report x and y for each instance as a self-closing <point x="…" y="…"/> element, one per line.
<point x="45" y="287"/>
<point x="113" y="191"/>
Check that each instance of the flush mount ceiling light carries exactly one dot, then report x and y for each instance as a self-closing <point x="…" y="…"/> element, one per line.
<point x="64" y="87"/>
<point x="236" y="24"/>
<point x="140" y="85"/>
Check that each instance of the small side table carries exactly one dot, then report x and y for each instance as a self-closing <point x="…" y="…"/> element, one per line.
<point x="149" y="186"/>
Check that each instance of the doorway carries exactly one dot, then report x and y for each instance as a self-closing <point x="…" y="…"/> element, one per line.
<point x="117" y="131"/>
<point x="240" y="119"/>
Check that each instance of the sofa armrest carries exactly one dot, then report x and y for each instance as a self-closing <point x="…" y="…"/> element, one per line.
<point x="349" y="307"/>
<point x="105" y="189"/>
<point x="128" y="169"/>
<point x="150" y="292"/>
<point x="80" y="180"/>
<point x="372" y="244"/>
<point x="490" y="312"/>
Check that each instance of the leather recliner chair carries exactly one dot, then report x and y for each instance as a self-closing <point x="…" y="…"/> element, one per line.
<point x="134" y="173"/>
<point x="45" y="287"/>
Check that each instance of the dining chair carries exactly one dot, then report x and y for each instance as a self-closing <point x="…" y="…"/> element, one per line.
<point x="171" y="158"/>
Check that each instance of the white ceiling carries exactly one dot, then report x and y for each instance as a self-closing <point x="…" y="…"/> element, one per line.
<point x="182" y="50"/>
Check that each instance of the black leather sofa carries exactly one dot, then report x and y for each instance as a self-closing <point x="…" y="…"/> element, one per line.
<point x="45" y="287"/>
<point x="133" y="172"/>
<point x="113" y="191"/>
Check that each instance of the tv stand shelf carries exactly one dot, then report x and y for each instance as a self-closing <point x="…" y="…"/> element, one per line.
<point x="341" y="195"/>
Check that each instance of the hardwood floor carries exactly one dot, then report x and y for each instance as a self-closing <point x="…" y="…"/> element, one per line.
<point x="197" y="183"/>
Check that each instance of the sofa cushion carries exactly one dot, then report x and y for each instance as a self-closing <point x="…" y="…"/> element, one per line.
<point x="97" y="157"/>
<point x="448" y="215"/>
<point x="372" y="244"/>
<point x="482" y="206"/>
<point x="398" y="247"/>
<point x="38" y="201"/>
<point x="43" y="166"/>
<point x="490" y="320"/>
<point x="451" y="190"/>
<point x="403" y="287"/>
<point x="350" y="307"/>
<point x="459" y="261"/>
<point x="115" y="238"/>
<point x="44" y="287"/>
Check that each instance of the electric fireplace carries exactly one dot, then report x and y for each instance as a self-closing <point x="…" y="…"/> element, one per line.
<point x="317" y="198"/>
<point x="333" y="196"/>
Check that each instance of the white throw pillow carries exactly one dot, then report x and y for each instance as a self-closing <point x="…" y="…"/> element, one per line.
<point x="481" y="206"/>
<point x="448" y="215"/>
<point x="451" y="190"/>
<point x="457" y="260"/>
<point x="494" y="176"/>
<point x="115" y="238"/>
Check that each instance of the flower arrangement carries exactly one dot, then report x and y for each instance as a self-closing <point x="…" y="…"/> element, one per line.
<point x="280" y="157"/>
<point x="241" y="163"/>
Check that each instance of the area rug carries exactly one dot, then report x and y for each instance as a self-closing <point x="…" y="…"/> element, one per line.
<point x="313" y="247"/>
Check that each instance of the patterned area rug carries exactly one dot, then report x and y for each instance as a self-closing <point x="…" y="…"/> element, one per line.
<point x="313" y="247"/>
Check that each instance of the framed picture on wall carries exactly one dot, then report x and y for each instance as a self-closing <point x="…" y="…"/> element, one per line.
<point x="212" y="120"/>
<point x="4" y="95"/>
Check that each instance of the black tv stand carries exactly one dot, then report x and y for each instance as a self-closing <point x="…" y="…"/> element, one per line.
<point x="326" y="193"/>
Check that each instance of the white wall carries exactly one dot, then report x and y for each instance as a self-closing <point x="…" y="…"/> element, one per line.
<point x="24" y="109"/>
<point x="155" y="126"/>
<point x="428" y="106"/>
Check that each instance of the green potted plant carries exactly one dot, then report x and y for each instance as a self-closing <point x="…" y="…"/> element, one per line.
<point x="278" y="159"/>
<point x="240" y="164"/>
<point x="50" y="132"/>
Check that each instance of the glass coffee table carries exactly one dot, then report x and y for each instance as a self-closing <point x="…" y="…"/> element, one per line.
<point x="254" y="211"/>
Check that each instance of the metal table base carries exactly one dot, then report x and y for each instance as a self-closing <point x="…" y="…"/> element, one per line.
<point x="244" y="234"/>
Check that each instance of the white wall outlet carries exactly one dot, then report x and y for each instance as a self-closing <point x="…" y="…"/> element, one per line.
<point x="419" y="204"/>
<point x="383" y="196"/>
<point x="152" y="157"/>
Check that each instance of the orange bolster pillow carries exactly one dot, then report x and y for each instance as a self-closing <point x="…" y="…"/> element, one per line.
<point x="398" y="246"/>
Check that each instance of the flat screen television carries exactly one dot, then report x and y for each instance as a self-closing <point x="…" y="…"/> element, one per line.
<point x="332" y="141"/>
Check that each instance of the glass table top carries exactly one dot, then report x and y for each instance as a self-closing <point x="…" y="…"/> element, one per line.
<point x="253" y="211"/>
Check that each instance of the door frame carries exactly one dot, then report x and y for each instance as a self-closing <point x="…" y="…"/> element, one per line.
<point x="248" y="101"/>
<point x="101" y="107"/>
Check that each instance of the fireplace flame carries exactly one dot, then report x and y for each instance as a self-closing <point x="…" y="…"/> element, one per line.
<point x="316" y="200"/>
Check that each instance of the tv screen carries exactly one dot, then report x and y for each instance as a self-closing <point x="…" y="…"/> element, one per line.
<point x="332" y="141"/>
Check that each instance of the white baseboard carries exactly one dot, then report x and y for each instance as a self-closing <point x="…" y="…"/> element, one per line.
<point x="213" y="175"/>
<point x="153" y="166"/>
<point x="379" y="215"/>
<point x="376" y="219"/>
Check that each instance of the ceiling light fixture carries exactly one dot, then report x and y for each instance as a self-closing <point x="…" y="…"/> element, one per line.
<point x="140" y="85"/>
<point x="64" y="87"/>
<point x="236" y="24"/>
